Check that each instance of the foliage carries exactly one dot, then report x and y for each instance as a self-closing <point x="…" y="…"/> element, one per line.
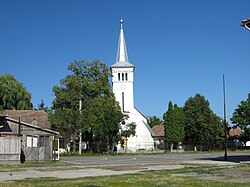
<point x="41" y="106"/>
<point x="174" y="121"/>
<point x="100" y="114"/>
<point x="128" y="130"/>
<point x="201" y="124"/>
<point x="13" y="95"/>
<point x="154" y="120"/>
<point x="241" y="118"/>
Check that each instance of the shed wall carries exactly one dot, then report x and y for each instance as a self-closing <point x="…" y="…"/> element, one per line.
<point x="10" y="147"/>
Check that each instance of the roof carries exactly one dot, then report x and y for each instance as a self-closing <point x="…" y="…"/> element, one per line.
<point x="235" y="132"/>
<point x="31" y="125"/>
<point x="122" y="60"/>
<point x="28" y="116"/>
<point x="158" y="130"/>
<point x="121" y="64"/>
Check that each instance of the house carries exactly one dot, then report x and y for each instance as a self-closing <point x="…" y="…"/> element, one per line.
<point x="159" y="136"/>
<point x="235" y="132"/>
<point x="26" y="132"/>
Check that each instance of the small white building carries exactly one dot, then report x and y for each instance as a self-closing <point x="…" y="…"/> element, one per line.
<point x="123" y="88"/>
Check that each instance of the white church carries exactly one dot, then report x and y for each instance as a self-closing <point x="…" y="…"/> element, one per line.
<point x="123" y="89"/>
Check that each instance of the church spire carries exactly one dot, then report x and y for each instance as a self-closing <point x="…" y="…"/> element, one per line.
<point x="122" y="55"/>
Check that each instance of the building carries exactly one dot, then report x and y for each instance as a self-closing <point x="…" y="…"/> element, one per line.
<point x="123" y="89"/>
<point x="26" y="133"/>
<point x="159" y="136"/>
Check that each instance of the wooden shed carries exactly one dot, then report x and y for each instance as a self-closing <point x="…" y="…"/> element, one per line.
<point x="26" y="132"/>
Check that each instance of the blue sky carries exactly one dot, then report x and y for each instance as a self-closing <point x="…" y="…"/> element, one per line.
<point x="179" y="48"/>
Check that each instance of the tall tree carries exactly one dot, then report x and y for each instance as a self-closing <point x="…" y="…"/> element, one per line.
<point x="154" y="120"/>
<point x="174" y="122"/>
<point x="100" y="114"/>
<point x="241" y="118"/>
<point x="201" y="124"/>
<point x="41" y="106"/>
<point x="13" y="95"/>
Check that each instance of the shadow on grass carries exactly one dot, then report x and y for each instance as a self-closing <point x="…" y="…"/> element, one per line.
<point x="231" y="158"/>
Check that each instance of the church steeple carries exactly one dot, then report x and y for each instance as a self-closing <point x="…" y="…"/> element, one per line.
<point x="122" y="55"/>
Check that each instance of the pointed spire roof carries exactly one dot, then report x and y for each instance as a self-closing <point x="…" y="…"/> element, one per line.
<point x="122" y="55"/>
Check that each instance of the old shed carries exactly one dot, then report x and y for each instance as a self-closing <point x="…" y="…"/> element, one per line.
<point x="26" y="132"/>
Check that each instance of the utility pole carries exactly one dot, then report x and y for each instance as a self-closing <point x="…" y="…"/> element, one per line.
<point x="80" y="134"/>
<point x="225" y="121"/>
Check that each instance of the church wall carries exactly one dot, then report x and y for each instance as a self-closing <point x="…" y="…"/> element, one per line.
<point x="143" y="139"/>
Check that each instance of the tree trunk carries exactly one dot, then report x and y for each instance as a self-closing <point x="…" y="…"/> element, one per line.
<point x="74" y="144"/>
<point x="110" y="143"/>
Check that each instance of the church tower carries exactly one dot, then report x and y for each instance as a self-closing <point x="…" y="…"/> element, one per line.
<point x="123" y="89"/>
<point x="123" y="75"/>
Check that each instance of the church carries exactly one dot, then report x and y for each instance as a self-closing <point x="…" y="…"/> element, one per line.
<point x="123" y="88"/>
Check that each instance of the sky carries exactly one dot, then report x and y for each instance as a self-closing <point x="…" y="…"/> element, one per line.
<point x="179" y="48"/>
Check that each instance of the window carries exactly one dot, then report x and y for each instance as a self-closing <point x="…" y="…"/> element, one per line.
<point x="29" y="141"/>
<point x="119" y="77"/>
<point x="126" y="76"/>
<point x="122" y="76"/>
<point x="32" y="141"/>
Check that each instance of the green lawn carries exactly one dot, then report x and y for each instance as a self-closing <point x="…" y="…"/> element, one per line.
<point x="146" y="179"/>
<point x="32" y="164"/>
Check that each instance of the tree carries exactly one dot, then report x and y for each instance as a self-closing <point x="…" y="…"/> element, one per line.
<point x="174" y="122"/>
<point x="13" y="95"/>
<point x="127" y="131"/>
<point x="100" y="115"/>
<point x="241" y="118"/>
<point x="201" y="124"/>
<point x="41" y="106"/>
<point x="102" y="121"/>
<point x="154" y="120"/>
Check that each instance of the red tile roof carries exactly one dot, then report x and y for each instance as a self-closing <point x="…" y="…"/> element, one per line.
<point x="158" y="130"/>
<point x="235" y="132"/>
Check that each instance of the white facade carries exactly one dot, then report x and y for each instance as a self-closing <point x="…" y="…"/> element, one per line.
<point x="123" y="88"/>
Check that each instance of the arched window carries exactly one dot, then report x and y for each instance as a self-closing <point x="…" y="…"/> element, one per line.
<point x="119" y="77"/>
<point x="122" y="76"/>
<point x="126" y="76"/>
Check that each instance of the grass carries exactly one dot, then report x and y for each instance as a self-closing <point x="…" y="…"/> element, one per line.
<point x="144" y="179"/>
<point x="33" y="164"/>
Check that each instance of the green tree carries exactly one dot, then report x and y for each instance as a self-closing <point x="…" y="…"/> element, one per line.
<point x="201" y="124"/>
<point x="41" y="106"/>
<point x="127" y="130"/>
<point x="174" y="122"/>
<point x="241" y="118"/>
<point x="13" y="95"/>
<point x="154" y="120"/>
<point x="100" y="114"/>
